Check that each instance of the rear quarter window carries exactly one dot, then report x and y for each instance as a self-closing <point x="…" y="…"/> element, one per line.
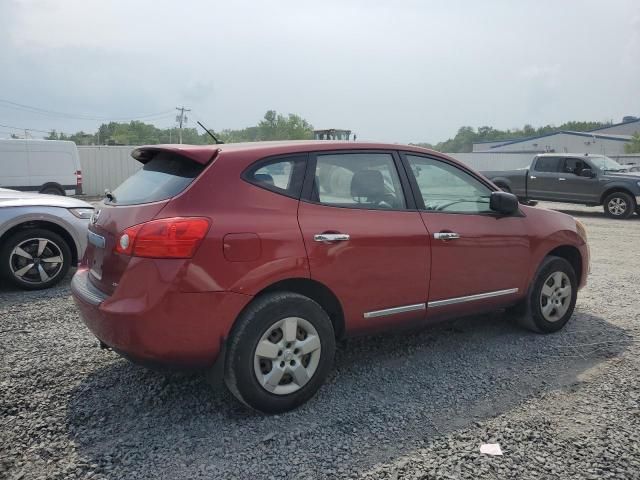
<point x="282" y="175"/>
<point x="164" y="176"/>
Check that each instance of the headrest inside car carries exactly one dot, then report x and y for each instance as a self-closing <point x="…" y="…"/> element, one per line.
<point x="264" y="178"/>
<point x="367" y="183"/>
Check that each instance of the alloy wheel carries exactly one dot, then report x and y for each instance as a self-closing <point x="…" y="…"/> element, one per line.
<point x="617" y="206"/>
<point x="36" y="260"/>
<point x="287" y="355"/>
<point x="555" y="297"/>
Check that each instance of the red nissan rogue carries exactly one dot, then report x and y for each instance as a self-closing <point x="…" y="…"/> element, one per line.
<point x="260" y="255"/>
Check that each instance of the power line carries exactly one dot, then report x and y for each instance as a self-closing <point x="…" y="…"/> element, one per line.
<point x="79" y="116"/>
<point x="22" y="129"/>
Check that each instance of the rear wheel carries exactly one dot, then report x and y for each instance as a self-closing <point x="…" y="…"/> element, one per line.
<point x="551" y="298"/>
<point x="279" y="353"/>
<point x="34" y="259"/>
<point x="619" y="205"/>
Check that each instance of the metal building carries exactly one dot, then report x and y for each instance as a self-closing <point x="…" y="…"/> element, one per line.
<point x="562" y="142"/>
<point x="629" y="127"/>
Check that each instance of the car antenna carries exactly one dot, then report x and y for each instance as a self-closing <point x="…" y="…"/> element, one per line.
<point x="210" y="133"/>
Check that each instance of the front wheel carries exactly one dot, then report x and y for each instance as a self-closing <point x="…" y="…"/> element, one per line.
<point x="34" y="259"/>
<point x="279" y="353"/>
<point x="619" y="205"/>
<point x="551" y="298"/>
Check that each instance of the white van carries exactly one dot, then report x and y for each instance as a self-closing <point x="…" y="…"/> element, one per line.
<point x="45" y="166"/>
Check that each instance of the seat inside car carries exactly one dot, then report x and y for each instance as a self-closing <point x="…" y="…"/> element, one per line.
<point x="264" y="178"/>
<point x="369" y="185"/>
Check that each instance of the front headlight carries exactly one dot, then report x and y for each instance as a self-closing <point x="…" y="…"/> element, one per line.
<point x="582" y="231"/>
<point x="83" y="213"/>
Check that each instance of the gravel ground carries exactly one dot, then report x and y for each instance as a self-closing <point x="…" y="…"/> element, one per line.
<point x="400" y="406"/>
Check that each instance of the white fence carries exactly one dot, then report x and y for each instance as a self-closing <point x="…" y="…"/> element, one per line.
<point x="107" y="167"/>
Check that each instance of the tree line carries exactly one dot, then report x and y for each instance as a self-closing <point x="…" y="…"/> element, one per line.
<point x="467" y="136"/>
<point x="273" y="126"/>
<point x="276" y="126"/>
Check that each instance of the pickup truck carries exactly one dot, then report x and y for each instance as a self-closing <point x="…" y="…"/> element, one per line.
<point x="574" y="178"/>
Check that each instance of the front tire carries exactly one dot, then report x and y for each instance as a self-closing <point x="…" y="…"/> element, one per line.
<point x="551" y="298"/>
<point x="619" y="205"/>
<point x="34" y="259"/>
<point x="279" y="352"/>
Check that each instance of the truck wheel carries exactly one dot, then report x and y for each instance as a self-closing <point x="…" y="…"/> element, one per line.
<point x="619" y="205"/>
<point x="34" y="259"/>
<point x="504" y="188"/>
<point x="279" y="352"/>
<point x="551" y="297"/>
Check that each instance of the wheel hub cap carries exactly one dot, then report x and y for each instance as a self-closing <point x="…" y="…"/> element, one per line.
<point x="555" y="297"/>
<point x="287" y="356"/>
<point x="617" y="206"/>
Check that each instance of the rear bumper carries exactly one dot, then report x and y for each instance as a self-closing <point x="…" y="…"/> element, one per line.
<point x="181" y="329"/>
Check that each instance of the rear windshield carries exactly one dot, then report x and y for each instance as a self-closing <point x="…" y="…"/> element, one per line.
<point x="164" y="176"/>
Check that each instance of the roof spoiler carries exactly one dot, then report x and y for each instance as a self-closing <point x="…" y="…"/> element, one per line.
<point x="202" y="155"/>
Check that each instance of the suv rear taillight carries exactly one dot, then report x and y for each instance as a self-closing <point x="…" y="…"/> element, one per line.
<point x="177" y="237"/>
<point x="78" y="182"/>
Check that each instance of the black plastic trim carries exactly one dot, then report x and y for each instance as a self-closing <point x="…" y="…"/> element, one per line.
<point x="82" y="288"/>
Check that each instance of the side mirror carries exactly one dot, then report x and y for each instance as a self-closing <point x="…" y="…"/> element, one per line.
<point x="587" y="172"/>
<point x="503" y="202"/>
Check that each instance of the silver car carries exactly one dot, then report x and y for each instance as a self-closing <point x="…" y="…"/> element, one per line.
<point x="41" y="237"/>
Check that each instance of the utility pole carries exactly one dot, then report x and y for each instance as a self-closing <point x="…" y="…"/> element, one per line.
<point x="182" y="118"/>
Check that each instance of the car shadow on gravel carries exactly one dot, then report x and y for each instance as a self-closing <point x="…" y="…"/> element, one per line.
<point x="386" y="396"/>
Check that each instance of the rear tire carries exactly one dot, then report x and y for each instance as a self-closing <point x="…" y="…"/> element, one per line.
<point x="551" y="298"/>
<point x="279" y="352"/>
<point x="47" y="252"/>
<point x="53" y="190"/>
<point x="619" y="205"/>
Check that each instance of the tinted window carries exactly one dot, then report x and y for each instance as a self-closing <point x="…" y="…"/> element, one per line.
<point x="445" y="188"/>
<point x="575" y="165"/>
<point x="282" y="175"/>
<point x="547" y="164"/>
<point x="360" y="180"/>
<point x="162" y="177"/>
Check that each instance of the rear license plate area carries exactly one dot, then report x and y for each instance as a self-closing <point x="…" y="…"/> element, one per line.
<point x="97" y="254"/>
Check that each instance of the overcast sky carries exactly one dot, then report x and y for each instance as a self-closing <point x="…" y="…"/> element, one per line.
<point x="403" y="71"/>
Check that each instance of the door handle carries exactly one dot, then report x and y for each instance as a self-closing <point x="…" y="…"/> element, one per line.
<point x="331" y="237"/>
<point x="532" y="177"/>
<point x="562" y="179"/>
<point x="446" y="236"/>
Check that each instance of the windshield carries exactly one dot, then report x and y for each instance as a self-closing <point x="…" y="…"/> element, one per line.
<point x="606" y="163"/>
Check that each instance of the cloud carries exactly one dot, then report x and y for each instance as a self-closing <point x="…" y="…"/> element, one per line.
<point x="404" y="71"/>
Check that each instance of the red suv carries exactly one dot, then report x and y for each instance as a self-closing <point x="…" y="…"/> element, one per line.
<point x="261" y="255"/>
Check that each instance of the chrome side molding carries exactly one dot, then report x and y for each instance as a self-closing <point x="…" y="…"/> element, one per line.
<point x="472" y="298"/>
<point x="438" y="303"/>
<point x="395" y="310"/>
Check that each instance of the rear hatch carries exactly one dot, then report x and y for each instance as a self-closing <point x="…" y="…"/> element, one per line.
<point x="138" y="199"/>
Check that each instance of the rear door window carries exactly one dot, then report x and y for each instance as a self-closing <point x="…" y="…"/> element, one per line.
<point x="358" y="180"/>
<point x="547" y="164"/>
<point x="162" y="177"/>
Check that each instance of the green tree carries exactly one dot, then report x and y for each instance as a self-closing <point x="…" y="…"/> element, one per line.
<point x="634" y="145"/>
